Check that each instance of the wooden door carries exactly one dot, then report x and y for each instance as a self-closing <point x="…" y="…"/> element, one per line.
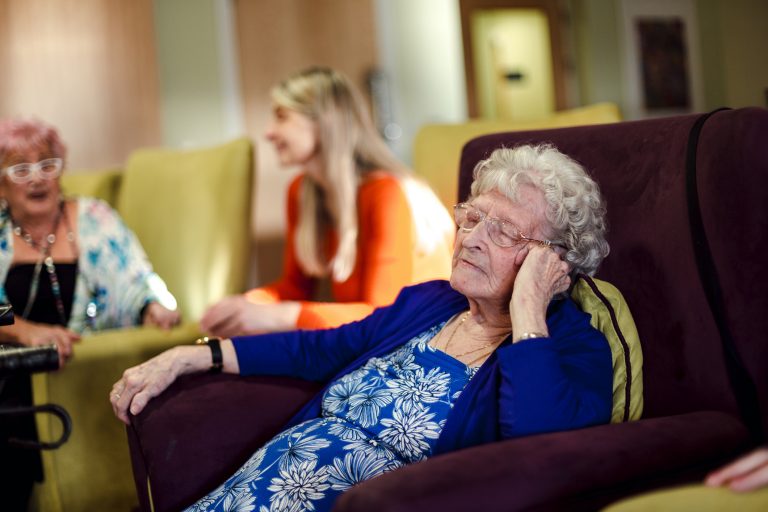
<point x="472" y="12"/>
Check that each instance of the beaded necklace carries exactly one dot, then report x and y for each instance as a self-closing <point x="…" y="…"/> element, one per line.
<point x="45" y="258"/>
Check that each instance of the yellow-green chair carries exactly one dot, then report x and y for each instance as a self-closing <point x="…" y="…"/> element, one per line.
<point x="437" y="147"/>
<point x="697" y="498"/>
<point x="191" y="210"/>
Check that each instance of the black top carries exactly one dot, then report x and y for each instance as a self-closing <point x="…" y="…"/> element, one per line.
<point x="44" y="309"/>
<point x="18" y="467"/>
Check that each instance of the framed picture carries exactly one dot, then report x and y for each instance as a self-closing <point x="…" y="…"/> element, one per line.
<point x="661" y="58"/>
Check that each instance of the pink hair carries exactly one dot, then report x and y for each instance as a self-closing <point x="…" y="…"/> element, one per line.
<point x="21" y="135"/>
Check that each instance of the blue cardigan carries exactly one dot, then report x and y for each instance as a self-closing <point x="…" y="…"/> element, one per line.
<point x="534" y="386"/>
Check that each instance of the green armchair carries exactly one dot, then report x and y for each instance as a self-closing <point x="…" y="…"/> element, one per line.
<point x="191" y="210"/>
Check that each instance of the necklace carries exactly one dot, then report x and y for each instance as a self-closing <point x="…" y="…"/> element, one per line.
<point x="44" y="246"/>
<point x="49" y="239"/>
<point x="478" y="358"/>
<point x="476" y="349"/>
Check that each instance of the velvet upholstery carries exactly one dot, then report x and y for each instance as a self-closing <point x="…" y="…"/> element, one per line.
<point x="640" y="167"/>
<point x="206" y="403"/>
<point x="691" y="422"/>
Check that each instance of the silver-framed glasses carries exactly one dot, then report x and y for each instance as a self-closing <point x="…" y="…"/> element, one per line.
<point x="501" y="232"/>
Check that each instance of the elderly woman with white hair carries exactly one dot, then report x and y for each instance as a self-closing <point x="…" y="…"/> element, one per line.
<point x="499" y="351"/>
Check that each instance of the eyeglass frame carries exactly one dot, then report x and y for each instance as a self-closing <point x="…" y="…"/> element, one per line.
<point x="35" y="169"/>
<point x="489" y="220"/>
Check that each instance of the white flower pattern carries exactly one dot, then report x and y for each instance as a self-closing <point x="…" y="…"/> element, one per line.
<point x="299" y="484"/>
<point x="408" y="431"/>
<point x="301" y="449"/>
<point x="414" y="389"/>
<point x="354" y="468"/>
<point x="337" y="397"/>
<point x="385" y="414"/>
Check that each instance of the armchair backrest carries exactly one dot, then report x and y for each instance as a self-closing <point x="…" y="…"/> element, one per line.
<point x="437" y="147"/>
<point x="641" y="169"/>
<point x="192" y="210"/>
<point x="102" y="184"/>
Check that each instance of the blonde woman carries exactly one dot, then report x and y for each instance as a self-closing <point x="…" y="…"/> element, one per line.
<point x="355" y="215"/>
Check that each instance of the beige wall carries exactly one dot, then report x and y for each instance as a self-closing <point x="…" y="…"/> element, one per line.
<point x="744" y="51"/>
<point x="199" y="80"/>
<point x="85" y="66"/>
<point x="732" y="41"/>
<point x="421" y="56"/>
<point x="596" y="34"/>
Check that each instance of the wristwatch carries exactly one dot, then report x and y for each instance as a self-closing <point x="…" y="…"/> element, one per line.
<point x="216" y="356"/>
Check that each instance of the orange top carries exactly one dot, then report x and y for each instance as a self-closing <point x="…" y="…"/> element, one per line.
<point x="387" y="258"/>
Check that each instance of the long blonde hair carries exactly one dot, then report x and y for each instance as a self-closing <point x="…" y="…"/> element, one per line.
<point x="350" y="147"/>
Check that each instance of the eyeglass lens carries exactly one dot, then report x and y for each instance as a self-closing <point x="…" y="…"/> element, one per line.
<point x="501" y="232"/>
<point x="48" y="169"/>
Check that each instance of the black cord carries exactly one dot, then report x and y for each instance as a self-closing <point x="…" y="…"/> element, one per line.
<point x="741" y="382"/>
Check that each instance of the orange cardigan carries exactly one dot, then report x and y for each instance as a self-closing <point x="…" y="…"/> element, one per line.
<point x="387" y="258"/>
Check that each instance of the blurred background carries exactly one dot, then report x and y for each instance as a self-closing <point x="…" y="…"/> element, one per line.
<point x="116" y="75"/>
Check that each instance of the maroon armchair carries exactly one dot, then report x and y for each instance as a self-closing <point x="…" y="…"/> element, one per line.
<point x="688" y="228"/>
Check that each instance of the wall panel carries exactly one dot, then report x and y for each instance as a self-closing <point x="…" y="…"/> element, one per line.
<point x="86" y="66"/>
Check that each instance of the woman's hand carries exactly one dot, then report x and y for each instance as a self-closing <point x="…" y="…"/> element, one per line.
<point x="143" y="382"/>
<point x="542" y="274"/>
<point x="747" y="473"/>
<point x="33" y="334"/>
<point x="237" y="316"/>
<point x="160" y="316"/>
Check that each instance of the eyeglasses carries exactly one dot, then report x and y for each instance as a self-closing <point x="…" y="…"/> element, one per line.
<point x="48" y="169"/>
<point x="501" y="232"/>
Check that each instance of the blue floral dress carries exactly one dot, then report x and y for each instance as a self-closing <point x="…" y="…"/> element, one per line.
<point x="384" y="415"/>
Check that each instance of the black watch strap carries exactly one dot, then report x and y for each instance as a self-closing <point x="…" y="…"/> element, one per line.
<point x="216" y="356"/>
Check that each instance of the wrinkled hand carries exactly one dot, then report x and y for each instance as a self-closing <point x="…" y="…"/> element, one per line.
<point x="747" y="473"/>
<point x="33" y="334"/>
<point x="143" y="382"/>
<point x="160" y="316"/>
<point x="236" y="316"/>
<point x="541" y="275"/>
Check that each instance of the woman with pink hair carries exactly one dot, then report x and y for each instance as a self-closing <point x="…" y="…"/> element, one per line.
<point x="67" y="266"/>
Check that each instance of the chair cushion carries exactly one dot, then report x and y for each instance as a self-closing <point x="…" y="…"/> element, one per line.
<point x="191" y="212"/>
<point x="103" y="184"/>
<point x="695" y="497"/>
<point x="611" y="316"/>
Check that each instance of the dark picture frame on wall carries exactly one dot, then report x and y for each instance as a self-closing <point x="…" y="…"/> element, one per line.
<point x="662" y="72"/>
<point x="664" y="63"/>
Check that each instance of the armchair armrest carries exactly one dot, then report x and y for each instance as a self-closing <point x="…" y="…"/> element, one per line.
<point x="195" y="435"/>
<point x="576" y="470"/>
<point x="203" y="428"/>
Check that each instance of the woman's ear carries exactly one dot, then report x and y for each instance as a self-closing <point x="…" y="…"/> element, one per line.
<point x="521" y="255"/>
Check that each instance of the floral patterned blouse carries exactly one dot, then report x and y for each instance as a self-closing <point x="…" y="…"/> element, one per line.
<point x="384" y="415"/>
<point x="114" y="280"/>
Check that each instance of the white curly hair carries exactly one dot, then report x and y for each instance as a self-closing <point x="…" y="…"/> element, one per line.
<point x="575" y="207"/>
